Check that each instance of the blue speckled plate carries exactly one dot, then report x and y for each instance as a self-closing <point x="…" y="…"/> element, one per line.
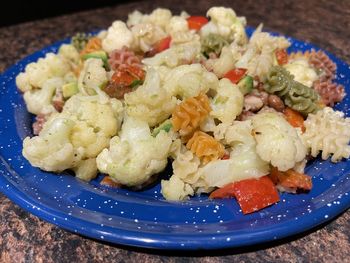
<point x="144" y="218"/>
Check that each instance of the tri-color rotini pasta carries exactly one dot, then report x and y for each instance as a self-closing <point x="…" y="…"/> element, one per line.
<point x="189" y="115"/>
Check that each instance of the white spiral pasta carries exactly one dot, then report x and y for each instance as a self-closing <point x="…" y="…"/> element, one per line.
<point x="328" y="132"/>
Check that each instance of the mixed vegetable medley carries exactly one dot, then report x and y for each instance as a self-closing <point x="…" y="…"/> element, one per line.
<point x="238" y="117"/>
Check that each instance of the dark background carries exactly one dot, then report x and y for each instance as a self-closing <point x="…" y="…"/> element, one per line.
<point x="14" y="11"/>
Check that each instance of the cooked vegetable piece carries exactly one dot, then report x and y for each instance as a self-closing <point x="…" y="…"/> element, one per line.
<point x="251" y="194"/>
<point x="196" y="22"/>
<point x="235" y="75"/>
<point x="294" y="118"/>
<point x="224" y="192"/>
<point x="291" y="180"/>
<point x="70" y="89"/>
<point x="255" y="194"/>
<point x="165" y="126"/>
<point x="97" y="54"/>
<point x="107" y="181"/>
<point x="281" y="56"/>
<point x="246" y="85"/>
<point x="160" y="46"/>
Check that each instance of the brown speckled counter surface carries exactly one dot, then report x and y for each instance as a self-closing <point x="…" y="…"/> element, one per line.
<point x="25" y="238"/>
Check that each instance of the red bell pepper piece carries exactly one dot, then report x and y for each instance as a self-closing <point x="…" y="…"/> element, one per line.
<point x="196" y="22"/>
<point x="235" y="75"/>
<point x="251" y="194"/>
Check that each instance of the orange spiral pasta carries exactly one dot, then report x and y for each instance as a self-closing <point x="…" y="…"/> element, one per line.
<point x="190" y="113"/>
<point x="205" y="147"/>
<point x="94" y="44"/>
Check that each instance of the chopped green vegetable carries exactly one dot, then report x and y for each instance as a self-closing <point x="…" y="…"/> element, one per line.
<point x="136" y="83"/>
<point x="165" y="126"/>
<point x="213" y="43"/>
<point x="98" y="54"/>
<point x="79" y="40"/>
<point x="246" y="85"/>
<point x="69" y="89"/>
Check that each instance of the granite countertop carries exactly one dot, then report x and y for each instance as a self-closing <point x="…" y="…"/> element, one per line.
<point x="25" y="238"/>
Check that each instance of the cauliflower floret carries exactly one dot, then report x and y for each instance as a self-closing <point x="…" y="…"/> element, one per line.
<point x="177" y="24"/>
<point x="93" y="77"/>
<point x="52" y="150"/>
<point x="118" y="35"/>
<point x="150" y="102"/>
<point x="176" y="55"/>
<point x="36" y="73"/>
<point x="78" y="134"/>
<point x="302" y="71"/>
<point x="86" y="170"/>
<point x="134" y="18"/>
<point x="135" y="155"/>
<point x="39" y="101"/>
<point x="179" y="31"/>
<point x="228" y="58"/>
<point x="225" y="22"/>
<point x="228" y="102"/>
<point x="160" y="17"/>
<point x="244" y="162"/>
<point x="260" y="54"/>
<point x="103" y="117"/>
<point x="70" y="53"/>
<point x="189" y="80"/>
<point x="146" y="35"/>
<point x="277" y="141"/>
<point x="175" y="189"/>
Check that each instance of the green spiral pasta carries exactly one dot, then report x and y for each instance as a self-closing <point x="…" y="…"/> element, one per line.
<point x="295" y="95"/>
<point x="213" y="43"/>
<point x="279" y="81"/>
<point x="79" y="40"/>
<point x="302" y="98"/>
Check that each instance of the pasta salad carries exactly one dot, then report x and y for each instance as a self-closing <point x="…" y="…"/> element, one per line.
<point x="237" y="116"/>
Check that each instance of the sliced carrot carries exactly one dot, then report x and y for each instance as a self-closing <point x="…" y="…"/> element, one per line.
<point x="294" y="118"/>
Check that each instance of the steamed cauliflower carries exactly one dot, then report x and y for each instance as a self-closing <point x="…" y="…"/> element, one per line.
<point x="277" y="141"/>
<point x="150" y="102"/>
<point x="39" y="101"/>
<point x="244" y="162"/>
<point x="36" y="73"/>
<point x="135" y="155"/>
<point x="228" y="102"/>
<point x="118" y="35"/>
<point x="70" y="53"/>
<point x="146" y="35"/>
<point x="93" y="77"/>
<point x="176" y="189"/>
<point x="176" y="55"/>
<point x="302" y="71"/>
<point x="79" y="133"/>
<point x="160" y="17"/>
<point x="225" y="23"/>
<point x="178" y="30"/>
<point x="52" y="149"/>
<point x="189" y="80"/>
<point x="259" y="56"/>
